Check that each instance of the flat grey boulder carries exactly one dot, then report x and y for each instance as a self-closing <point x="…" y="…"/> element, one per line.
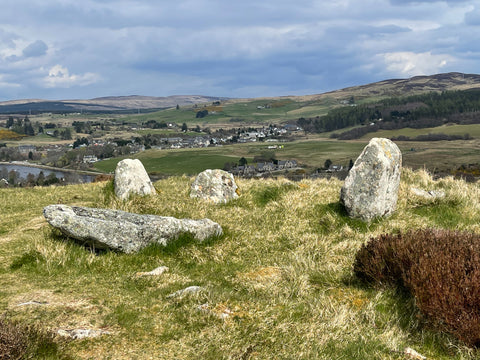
<point x="132" y="178"/>
<point x="215" y="185"/>
<point x="122" y="231"/>
<point x="371" y="187"/>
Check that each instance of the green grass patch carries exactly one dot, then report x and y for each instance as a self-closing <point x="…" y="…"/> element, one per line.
<point x="444" y="214"/>
<point x="473" y="130"/>
<point x="28" y="259"/>
<point x="333" y="216"/>
<point x="182" y="162"/>
<point x="272" y="193"/>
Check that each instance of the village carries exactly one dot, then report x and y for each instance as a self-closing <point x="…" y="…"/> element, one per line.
<point x="92" y="144"/>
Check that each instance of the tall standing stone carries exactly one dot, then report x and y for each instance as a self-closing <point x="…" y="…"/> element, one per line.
<point x="214" y="185"/>
<point x="371" y="187"/>
<point x="132" y="178"/>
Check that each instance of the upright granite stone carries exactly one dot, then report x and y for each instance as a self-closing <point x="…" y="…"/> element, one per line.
<point x="215" y="185"/>
<point x="131" y="178"/>
<point x="123" y="231"/>
<point x="371" y="187"/>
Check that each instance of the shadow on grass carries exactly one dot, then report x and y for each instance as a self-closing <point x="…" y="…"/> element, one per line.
<point x="184" y="240"/>
<point x="27" y="259"/>
<point x="173" y="246"/>
<point x="268" y="194"/>
<point x="333" y="216"/>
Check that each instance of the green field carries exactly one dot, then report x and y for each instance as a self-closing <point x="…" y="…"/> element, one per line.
<point x="311" y="154"/>
<point x="174" y="162"/>
<point x="473" y="130"/>
<point x="275" y="111"/>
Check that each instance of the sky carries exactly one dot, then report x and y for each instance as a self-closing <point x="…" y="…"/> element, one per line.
<point x="71" y="49"/>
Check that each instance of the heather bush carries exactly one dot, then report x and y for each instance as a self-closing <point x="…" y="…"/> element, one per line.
<point x="440" y="268"/>
<point x="18" y="341"/>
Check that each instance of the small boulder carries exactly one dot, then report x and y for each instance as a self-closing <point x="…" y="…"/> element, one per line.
<point x="122" y="231"/>
<point x="184" y="292"/>
<point x="216" y="185"/>
<point x="132" y="178"/>
<point x="371" y="187"/>
<point x="78" y="334"/>
<point x="155" y="272"/>
<point x="428" y="194"/>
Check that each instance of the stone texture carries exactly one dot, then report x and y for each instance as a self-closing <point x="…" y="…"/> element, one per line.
<point x="123" y="231"/>
<point x="155" y="272"/>
<point x="78" y="334"/>
<point x="428" y="194"/>
<point x="184" y="292"/>
<point x="214" y="185"/>
<point x="131" y="178"/>
<point x="412" y="354"/>
<point x="33" y="302"/>
<point x="371" y="187"/>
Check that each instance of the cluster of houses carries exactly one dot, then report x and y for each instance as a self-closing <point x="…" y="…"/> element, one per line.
<point x="264" y="167"/>
<point x="268" y="134"/>
<point x="187" y="142"/>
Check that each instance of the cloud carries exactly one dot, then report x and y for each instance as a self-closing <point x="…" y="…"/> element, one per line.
<point x="403" y="2"/>
<point x="35" y="49"/>
<point x="4" y="83"/>
<point x="412" y="64"/>
<point x="7" y="38"/>
<point x="60" y="77"/>
<point x="473" y="17"/>
<point x="247" y="48"/>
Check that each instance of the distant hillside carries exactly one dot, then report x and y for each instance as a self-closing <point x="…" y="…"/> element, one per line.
<point x="103" y="104"/>
<point x="363" y="93"/>
<point x="404" y="87"/>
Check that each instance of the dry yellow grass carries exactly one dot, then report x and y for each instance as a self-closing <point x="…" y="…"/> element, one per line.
<point x="282" y="273"/>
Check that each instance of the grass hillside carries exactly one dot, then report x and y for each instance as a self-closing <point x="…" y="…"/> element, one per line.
<point x="263" y="111"/>
<point x="278" y="284"/>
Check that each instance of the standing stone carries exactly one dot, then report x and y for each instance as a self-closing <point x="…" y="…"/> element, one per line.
<point x="214" y="185"/>
<point x="131" y="178"/>
<point x="122" y="231"/>
<point x="371" y="187"/>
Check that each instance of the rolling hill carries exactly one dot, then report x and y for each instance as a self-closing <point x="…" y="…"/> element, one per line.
<point x="103" y="104"/>
<point x="369" y="92"/>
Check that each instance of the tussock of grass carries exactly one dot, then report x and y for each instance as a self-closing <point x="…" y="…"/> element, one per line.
<point x="283" y="270"/>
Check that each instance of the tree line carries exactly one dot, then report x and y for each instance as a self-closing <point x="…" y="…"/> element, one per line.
<point x="26" y="127"/>
<point x="417" y="111"/>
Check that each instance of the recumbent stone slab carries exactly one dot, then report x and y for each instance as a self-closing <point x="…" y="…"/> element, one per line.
<point x="122" y="231"/>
